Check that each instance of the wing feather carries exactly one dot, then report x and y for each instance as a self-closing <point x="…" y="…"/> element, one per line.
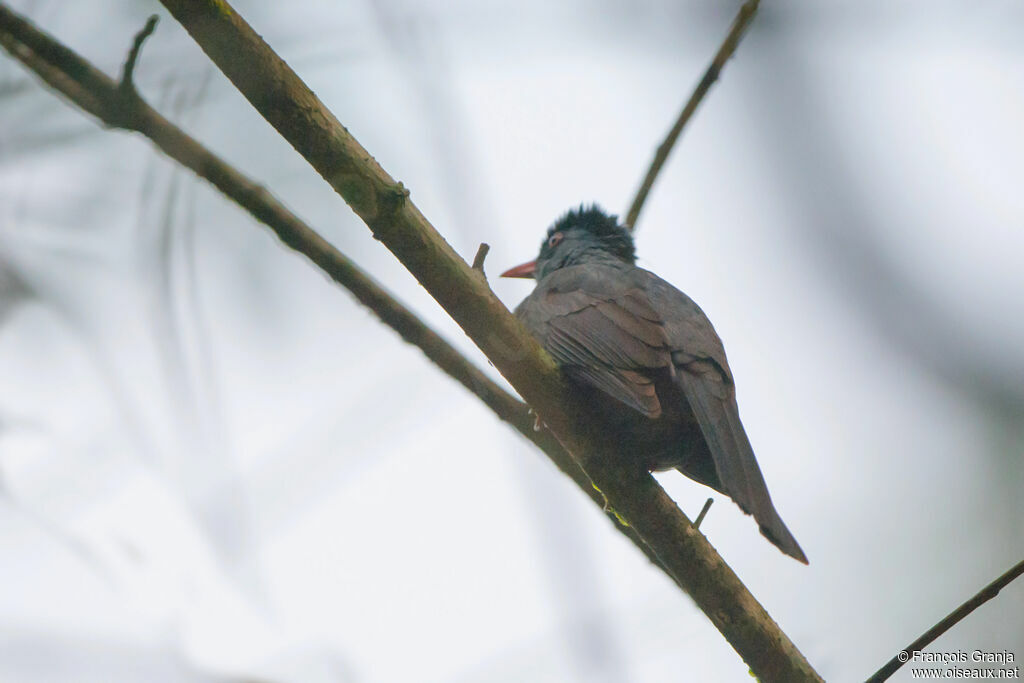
<point x="607" y="340"/>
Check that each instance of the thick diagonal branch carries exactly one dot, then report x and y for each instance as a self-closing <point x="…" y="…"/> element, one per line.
<point x="92" y="90"/>
<point x="384" y="205"/>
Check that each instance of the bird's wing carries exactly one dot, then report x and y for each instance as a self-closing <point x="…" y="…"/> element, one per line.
<point x="610" y="329"/>
<point x="605" y="336"/>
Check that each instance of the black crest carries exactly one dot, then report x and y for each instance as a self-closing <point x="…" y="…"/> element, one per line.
<point x="601" y="226"/>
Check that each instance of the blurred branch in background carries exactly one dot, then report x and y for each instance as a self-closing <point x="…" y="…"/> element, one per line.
<point x="732" y="40"/>
<point x="412" y="38"/>
<point x="385" y="207"/>
<point x="14" y="290"/>
<point x="94" y="91"/>
<point x="845" y="228"/>
<point x="832" y="204"/>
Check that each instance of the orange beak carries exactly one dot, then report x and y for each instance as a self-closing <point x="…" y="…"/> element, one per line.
<point x="526" y="270"/>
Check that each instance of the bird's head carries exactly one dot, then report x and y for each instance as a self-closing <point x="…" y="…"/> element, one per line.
<point x="582" y="235"/>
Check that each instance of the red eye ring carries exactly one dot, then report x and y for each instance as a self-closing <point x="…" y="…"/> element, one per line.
<point x="554" y="240"/>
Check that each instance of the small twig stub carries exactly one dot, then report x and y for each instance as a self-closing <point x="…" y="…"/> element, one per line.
<point x="481" y="254"/>
<point x="703" y="513"/>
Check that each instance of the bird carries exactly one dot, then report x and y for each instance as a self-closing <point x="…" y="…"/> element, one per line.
<point x="646" y="359"/>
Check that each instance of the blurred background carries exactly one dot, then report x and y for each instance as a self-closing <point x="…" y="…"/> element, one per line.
<point x="216" y="466"/>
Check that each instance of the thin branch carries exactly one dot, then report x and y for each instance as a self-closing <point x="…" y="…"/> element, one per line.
<point x="128" y="72"/>
<point x="90" y="89"/>
<point x="384" y="205"/>
<point x="987" y="593"/>
<point x="728" y="47"/>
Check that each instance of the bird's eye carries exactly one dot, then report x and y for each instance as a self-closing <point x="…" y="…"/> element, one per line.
<point x="555" y="239"/>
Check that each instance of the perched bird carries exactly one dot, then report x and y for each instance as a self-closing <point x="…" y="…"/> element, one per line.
<point x="646" y="358"/>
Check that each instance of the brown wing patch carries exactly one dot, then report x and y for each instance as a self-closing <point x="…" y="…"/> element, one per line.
<point x="608" y="347"/>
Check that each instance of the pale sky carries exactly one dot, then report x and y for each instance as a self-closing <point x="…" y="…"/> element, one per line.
<point x="215" y="465"/>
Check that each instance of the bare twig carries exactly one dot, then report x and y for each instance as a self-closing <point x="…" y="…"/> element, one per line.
<point x="987" y="593"/>
<point x="128" y="72"/>
<point x="481" y="254"/>
<point x="703" y="513"/>
<point x="739" y="25"/>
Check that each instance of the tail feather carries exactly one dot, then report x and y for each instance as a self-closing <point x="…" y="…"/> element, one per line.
<point x="738" y="472"/>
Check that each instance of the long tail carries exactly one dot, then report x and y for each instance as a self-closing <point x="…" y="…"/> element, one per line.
<point x="714" y="404"/>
